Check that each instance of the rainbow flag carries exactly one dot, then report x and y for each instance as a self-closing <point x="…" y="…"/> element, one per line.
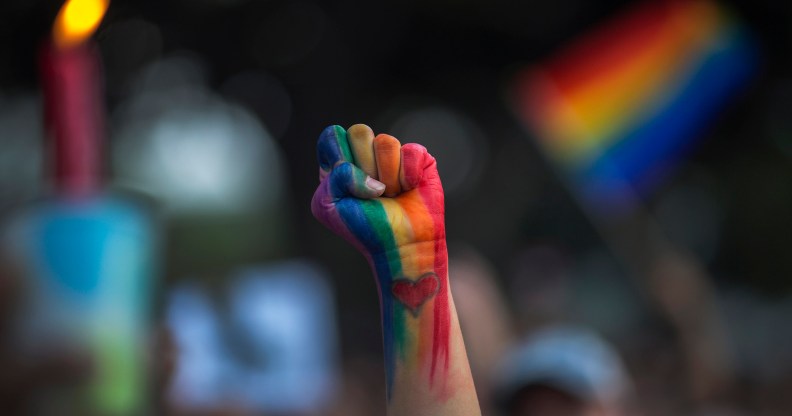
<point x="618" y="108"/>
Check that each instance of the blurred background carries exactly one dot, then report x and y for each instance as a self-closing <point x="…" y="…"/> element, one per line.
<point x="618" y="167"/>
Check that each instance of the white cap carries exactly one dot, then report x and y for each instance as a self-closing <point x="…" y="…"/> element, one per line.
<point x="573" y="360"/>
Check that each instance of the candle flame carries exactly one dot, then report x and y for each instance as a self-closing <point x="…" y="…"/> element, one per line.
<point x="77" y="21"/>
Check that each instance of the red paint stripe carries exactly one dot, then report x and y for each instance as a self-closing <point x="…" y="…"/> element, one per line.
<point x="616" y="43"/>
<point x="442" y="319"/>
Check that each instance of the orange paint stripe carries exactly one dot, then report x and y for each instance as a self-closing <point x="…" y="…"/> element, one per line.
<point x="423" y="259"/>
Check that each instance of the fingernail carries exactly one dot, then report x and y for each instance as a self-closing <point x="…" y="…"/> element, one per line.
<point x="375" y="184"/>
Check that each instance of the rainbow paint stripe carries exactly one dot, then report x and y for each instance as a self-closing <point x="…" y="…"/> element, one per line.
<point x="616" y="109"/>
<point x="403" y="238"/>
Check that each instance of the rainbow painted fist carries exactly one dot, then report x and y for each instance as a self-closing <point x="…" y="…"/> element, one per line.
<point x="376" y="193"/>
<point x="386" y="199"/>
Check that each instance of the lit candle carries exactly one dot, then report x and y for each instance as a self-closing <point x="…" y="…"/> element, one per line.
<point x="88" y="254"/>
<point x="71" y="77"/>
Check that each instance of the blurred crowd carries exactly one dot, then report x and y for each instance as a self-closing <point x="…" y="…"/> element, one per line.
<point x="235" y="301"/>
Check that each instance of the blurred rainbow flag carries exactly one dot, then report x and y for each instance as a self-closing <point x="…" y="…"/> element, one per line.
<point x="618" y="108"/>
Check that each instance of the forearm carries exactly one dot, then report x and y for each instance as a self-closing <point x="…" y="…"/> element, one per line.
<point x="388" y="201"/>
<point x="426" y="365"/>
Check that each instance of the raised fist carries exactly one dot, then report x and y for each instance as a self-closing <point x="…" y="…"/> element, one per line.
<point x="387" y="200"/>
<point x="378" y="194"/>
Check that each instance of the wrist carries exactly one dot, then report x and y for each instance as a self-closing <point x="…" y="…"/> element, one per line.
<point x="412" y="275"/>
<point x="411" y="261"/>
<point x="416" y="312"/>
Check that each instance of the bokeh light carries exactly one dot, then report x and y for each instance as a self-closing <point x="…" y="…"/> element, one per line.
<point x="192" y="150"/>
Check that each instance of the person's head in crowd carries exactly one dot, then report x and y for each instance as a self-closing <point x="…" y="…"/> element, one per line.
<point x="562" y="371"/>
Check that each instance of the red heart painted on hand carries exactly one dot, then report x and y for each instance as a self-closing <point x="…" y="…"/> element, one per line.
<point x="413" y="294"/>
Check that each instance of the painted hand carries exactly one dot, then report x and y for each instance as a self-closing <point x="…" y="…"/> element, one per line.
<point x="379" y="195"/>
<point x="387" y="200"/>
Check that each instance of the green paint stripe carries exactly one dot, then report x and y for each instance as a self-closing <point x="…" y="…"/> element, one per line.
<point x="400" y="333"/>
<point x="343" y="144"/>
<point x="359" y="181"/>
<point x="378" y="218"/>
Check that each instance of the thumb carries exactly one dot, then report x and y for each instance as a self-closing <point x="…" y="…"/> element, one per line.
<point x="349" y="180"/>
<point x="345" y="180"/>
